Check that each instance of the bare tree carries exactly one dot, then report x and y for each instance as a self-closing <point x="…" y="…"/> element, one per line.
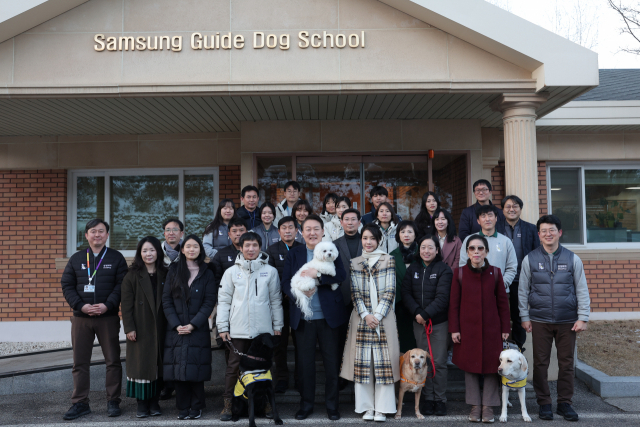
<point x="631" y="17"/>
<point x="576" y="20"/>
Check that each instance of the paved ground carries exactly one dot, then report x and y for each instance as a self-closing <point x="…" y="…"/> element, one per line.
<point x="47" y="409"/>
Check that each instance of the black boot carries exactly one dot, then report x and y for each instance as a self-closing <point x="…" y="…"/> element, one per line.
<point x="167" y="391"/>
<point x="154" y="406"/>
<point x="143" y="409"/>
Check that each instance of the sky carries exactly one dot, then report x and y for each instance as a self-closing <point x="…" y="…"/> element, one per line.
<point x="598" y="13"/>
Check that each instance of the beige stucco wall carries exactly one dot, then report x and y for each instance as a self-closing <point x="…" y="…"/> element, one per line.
<point x="360" y="136"/>
<point x="587" y="146"/>
<point x="399" y="48"/>
<point x="120" y="151"/>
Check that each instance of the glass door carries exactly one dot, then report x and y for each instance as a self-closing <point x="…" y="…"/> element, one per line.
<point x="319" y="176"/>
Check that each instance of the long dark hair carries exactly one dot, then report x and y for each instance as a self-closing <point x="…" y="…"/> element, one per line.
<point x="180" y="278"/>
<point x="217" y="220"/>
<point x="394" y="216"/>
<point x="423" y="220"/>
<point x="451" y="226"/>
<point x="329" y="196"/>
<point x="138" y="263"/>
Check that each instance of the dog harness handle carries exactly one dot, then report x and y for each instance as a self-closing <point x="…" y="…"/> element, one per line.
<point x="428" y="329"/>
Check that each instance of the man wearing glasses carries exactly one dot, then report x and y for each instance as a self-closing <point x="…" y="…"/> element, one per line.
<point x="291" y="196"/>
<point x="468" y="221"/>
<point x="173" y="231"/>
<point x="524" y="237"/>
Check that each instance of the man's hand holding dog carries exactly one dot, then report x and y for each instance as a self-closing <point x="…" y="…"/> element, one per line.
<point x="579" y="326"/>
<point x="310" y="272"/>
<point x="371" y="320"/>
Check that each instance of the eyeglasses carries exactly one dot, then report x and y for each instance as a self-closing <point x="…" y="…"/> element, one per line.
<point x="510" y="207"/>
<point x="291" y="191"/>
<point x="474" y="248"/>
<point x="171" y="230"/>
<point x="481" y="190"/>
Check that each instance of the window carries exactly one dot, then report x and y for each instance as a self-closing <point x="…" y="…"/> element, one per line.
<point x="136" y="202"/>
<point x="598" y="205"/>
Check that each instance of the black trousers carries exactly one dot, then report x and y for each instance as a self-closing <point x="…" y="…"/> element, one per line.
<point x="518" y="334"/>
<point x="189" y="395"/>
<point x="307" y="335"/>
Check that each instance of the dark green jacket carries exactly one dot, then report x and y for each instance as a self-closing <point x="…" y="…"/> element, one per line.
<point x="401" y="269"/>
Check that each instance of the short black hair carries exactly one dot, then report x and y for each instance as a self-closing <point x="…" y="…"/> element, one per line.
<point x="477" y="237"/>
<point x="482" y="181"/>
<point x="351" y="210"/>
<point x="404" y="224"/>
<point x="343" y="199"/>
<point x="237" y="222"/>
<point x="547" y="219"/>
<point x="286" y="219"/>
<point x="94" y="223"/>
<point x="313" y="217"/>
<point x="293" y="184"/>
<point x="436" y="242"/>
<point x="248" y="188"/>
<point x="378" y="190"/>
<point x="170" y="220"/>
<point x="485" y="209"/>
<point x="250" y="236"/>
<point x="373" y="229"/>
<point x="270" y="206"/>
<point x="514" y="199"/>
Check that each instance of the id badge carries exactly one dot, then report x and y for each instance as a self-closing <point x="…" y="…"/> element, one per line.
<point x="89" y="288"/>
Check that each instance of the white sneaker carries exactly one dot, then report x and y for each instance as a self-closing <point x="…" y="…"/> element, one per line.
<point x="368" y="416"/>
<point x="379" y="417"/>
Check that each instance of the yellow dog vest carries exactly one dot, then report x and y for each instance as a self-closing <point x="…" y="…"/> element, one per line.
<point x="514" y="384"/>
<point x="250" y="378"/>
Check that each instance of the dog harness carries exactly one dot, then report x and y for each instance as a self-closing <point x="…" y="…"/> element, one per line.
<point x="514" y="383"/>
<point x="247" y="378"/>
<point x="404" y="380"/>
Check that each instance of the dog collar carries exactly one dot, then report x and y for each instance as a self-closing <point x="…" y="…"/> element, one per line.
<point x="514" y="383"/>
<point x="404" y="380"/>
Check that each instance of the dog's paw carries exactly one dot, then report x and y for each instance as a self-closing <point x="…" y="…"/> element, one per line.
<point x="278" y="422"/>
<point x="526" y="418"/>
<point x="509" y="404"/>
<point x="398" y="416"/>
<point x="334" y="286"/>
<point x="503" y="418"/>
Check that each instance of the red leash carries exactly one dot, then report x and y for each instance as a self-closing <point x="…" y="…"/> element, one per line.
<point x="428" y="329"/>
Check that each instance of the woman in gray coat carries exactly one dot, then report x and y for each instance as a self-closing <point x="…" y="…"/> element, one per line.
<point x="216" y="235"/>
<point x="188" y="300"/>
<point x="268" y="231"/>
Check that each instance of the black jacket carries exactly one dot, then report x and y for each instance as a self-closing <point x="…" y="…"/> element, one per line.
<point x="530" y="238"/>
<point x="107" y="281"/>
<point x="222" y="260"/>
<point x="469" y="222"/>
<point x="188" y="357"/>
<point x="252" y="219"/>
<point x="425" y="291"/>
<point x="278" y="254"/>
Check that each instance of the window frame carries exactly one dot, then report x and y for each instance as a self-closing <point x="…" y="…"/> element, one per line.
<point x="583" y="166"/>
<point x="72" y="192"/>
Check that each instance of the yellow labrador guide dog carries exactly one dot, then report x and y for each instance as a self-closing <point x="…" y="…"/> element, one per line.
<point x="513" y="370"/>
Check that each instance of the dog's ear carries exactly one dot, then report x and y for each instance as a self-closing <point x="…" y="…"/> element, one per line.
<point x="523" y="363"/>
<point x="406" y="358"/>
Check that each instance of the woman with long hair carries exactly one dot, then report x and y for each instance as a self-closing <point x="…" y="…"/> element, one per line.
<point x="444" y="229"/>
<point x="425" y="294"/>
<point x="268" y="231"/>
<point x="430" y="202"/>
<point x="387" y="220"/>
<point x="216" y="235"/>
<point x="479" y="321"/>
<point x="145" y="325"/>
<point x="300" y="211"/>
<point x="371" y="352"/>
<point x="404" y="254"/>
<point x="188" y="301"/>
<point x="329" y="207"/>
<point x="333" y="229"/>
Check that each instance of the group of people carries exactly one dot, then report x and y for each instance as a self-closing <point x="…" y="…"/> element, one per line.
<point x="402" y="284"/>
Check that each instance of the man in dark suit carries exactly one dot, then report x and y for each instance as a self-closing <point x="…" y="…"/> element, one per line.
<point x="468" y="219"/>
<point x="524" y="237"/>
<point x="329" y="315"/>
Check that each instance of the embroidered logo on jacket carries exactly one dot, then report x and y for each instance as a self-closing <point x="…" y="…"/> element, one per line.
<point x="433" y="276"/>
<point x="541" y="266"/>
<point x="264" y="274"/>
<point x="563" y="267"/>
<point x="416" y="276"/>
<point x="229" y="258"/>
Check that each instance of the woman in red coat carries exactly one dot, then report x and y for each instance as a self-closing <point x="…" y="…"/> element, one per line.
<point x="478" y="322"/>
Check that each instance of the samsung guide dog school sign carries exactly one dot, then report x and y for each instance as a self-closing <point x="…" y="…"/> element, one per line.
<point x="228" y="41"/>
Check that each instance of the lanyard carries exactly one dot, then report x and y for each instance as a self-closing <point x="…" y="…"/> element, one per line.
<point x="91" y="276"/>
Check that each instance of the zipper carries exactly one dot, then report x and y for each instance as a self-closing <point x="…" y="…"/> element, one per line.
<point x="424" y="273"/>
<point x="553" y="313"/>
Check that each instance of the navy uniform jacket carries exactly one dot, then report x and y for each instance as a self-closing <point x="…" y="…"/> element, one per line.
<point x="332" y="303"/>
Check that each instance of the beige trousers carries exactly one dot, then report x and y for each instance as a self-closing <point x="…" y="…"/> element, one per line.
<point x="379" y="397"/>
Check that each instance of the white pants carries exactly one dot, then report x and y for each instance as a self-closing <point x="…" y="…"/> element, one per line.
<point x="379" y="397"/>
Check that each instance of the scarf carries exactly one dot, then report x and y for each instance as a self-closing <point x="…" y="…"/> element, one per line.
<point x="408" y="254"/>
<point x="372" y="258"/>
<point x="172" y="253"/>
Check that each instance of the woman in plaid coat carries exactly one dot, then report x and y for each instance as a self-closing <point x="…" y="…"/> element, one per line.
<point x="372" y="349"/>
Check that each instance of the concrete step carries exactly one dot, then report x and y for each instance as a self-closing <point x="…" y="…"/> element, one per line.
<point x="292" y="396"/>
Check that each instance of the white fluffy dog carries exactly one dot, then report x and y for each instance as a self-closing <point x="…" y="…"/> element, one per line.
<point x="513" y="368"/>
<point x="323" y="256"/>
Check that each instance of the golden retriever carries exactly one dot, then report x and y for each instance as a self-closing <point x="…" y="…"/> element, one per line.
<point x="413" y="374"/>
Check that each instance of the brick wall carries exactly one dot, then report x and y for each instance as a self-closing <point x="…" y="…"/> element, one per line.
<point x="499" y="186"/>
<point x="230" y="183"/>
<point x="33" y="209"/>
<point x="613" y="285"/>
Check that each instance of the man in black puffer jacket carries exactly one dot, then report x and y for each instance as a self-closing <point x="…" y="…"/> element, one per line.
<point x="91" y="285"/>
<point x="425" y="294"/>
<point x="226" y="257"/>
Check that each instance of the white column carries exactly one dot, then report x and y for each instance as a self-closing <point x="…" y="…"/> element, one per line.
<point x="520" y="149"/>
